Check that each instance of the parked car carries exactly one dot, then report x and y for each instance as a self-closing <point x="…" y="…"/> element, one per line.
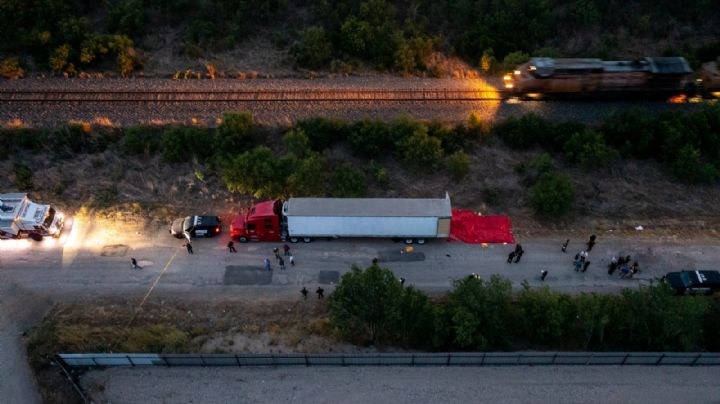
<point x="196" y="226"/>
<point x="694" y="282"/>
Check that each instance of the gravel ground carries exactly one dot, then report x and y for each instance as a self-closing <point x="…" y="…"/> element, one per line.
<point x="405" y="385"/>
<point x="285" y="113"/>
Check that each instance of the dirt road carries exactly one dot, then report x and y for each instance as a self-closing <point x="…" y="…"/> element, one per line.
<point x="95" y="261"/>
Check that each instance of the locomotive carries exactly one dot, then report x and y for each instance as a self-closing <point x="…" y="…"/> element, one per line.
<point x="649" y="76"/>
<point x="709" y="81"/>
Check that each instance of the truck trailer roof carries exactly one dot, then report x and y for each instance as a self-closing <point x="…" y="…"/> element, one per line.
<point x="370" y="207"/>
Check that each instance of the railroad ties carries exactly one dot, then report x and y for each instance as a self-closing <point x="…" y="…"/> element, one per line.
<point x="296" y="95"/>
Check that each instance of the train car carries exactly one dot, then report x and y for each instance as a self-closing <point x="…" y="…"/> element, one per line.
<point x="662" y="76"/>
<point x="710" y="78"/>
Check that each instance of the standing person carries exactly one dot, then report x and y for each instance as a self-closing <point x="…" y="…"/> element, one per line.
<point x="518" y="248"/>
<point x="585" y="266"/>
<point x="276" y="251"/>
<point x="613" y="266"/>
<point x="231" y="246"/>
<point x="565" y="245"/>
<point x="304" y="292"/>
<point x="266" y="264"/>
<point x="519" y="255"/>
<point x="635" y="268"/>
<point x="543" y="274"/>
<point x="134" y="263"/>
<point x="511" y="256"/>
<point x="591" y="242"/>
<point x="402" y="281"/>
<point x="578" y="264"/>
<point x="292" y="260"/>
<point x="282" y="263"/>
<point x="375" y="261"/>
<point x="320" y="292"/>
<point x="188" y="246"/>
<point x="583" y="256"/>
<point x="286" y="250"/>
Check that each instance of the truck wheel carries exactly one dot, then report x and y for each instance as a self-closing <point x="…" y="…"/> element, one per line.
<point x="294" y="239"/>
<point x="306" y="239"/>
<point x="35" y="236"/>
<point x="408" y="241"/>
<point x="421" y="241"/>
<point x="243" y="239"/>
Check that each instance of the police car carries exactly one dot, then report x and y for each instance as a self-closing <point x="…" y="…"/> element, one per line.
<point x="196" y="226"/>
<point x="694" y="282"/>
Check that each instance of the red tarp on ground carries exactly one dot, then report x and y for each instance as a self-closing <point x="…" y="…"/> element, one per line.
<point x="469" y="227"/>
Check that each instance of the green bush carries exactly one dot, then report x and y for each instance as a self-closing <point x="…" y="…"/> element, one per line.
<point x="371" y="139"/>
<point x="308" y="177"/>
<point x="421" y="152"/>
<point x="182" y="143"/>
<point x="514" y="59"/>
<point x="689" y="167"/>
<point x="459" y="165"/>
<point x="542" y="314"/>
<point x="348" y="182"/>
<point x="296" y="142"/>
<point x="141" y="140"/>
<point x="312" y="50"/>
<point x="256" y="172"/>
<point x="478" y="313"/>
<point x="23" y="177"/>
<point x="552" y="195"/>
<point x="324" y="132"/>
<point x="630" y="132"/>
<point x="588" y="149"/>
<point x="127" y="17"/>
<point x="379" y="174"/>
<point x="235" y="134"/>
<point x="524" y="132"/>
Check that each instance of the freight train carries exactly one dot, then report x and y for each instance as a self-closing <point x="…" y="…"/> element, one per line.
<point x="650" y="76"/>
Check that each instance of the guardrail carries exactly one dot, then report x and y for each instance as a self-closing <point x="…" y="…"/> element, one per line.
<point x="398" y="359"/>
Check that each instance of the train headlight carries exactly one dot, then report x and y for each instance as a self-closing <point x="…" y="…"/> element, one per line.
<point x="517" y="72"/>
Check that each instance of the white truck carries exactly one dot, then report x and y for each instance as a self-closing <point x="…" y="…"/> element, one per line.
<point x="20" y="217"/>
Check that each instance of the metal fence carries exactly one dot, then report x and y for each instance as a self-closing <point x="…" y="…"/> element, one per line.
<point x="398" y="359"/>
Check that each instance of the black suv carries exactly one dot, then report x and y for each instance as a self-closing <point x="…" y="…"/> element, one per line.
<point x="196" y="226"/>
<point x="694" y="282"/>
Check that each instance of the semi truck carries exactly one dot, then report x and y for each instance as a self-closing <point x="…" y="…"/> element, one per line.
<point x="411" y="220"/>
<point x="20" y="217"/>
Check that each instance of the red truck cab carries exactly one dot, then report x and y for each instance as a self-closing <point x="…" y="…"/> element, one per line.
<point x="260" y="223"/>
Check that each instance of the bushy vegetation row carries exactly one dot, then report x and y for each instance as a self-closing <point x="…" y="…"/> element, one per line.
<point x="395" y="35"/>
<point x="371" y="307"/>
<point x="240" y="153"/>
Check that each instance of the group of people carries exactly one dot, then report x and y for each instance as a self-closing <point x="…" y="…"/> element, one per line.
<point x="623" y="265"/>
<point x="516" y="255"/>
<point x="280" y="259"/>
<point x="320" y="292"/>
<point x="581" y="261"/>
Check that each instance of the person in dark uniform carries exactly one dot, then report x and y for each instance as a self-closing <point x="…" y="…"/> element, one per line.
<point x="134" y="263"/>
<point x="231" y="246"/>
<point x="543" y="274"/>
<point x="519" y="255"/>
<point x="565" y="245"/>
<point x="304" y="292"/>
<point x="511" y="256"/>
<point x="320" y="292"/>
<point x="188" y="246"/>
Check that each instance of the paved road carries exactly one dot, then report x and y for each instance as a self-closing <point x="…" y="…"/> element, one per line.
<point x="95" y="261"/>
<point x="400" y="385"/>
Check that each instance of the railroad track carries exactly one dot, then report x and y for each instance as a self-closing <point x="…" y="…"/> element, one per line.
<point x="309" y="95"/>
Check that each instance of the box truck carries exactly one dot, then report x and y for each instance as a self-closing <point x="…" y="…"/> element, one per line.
<point x="20" y="217"/>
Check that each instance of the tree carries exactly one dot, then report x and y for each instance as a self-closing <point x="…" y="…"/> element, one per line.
<point x="312" y="50"/>
<point x="479" y="312"/>
<point x="370" y="138"/>
<point x="296" y="142"/>
<point x="355" y="36"/>
<point x="514" y="59"/>
<point x="421" y="151"/>
<point x="256" y="172"/>
<point x="459" y="165"/>
<point x="552" y="195"/>
<point x="588" y="149"/>
<point x="182" y="143"/>
<point x="308" y="177"/>
<point x="324" y="132"/>
<point x="541" y="313"/>
<point x="235" y="134"/>
<point x="688" y="167"/>
<point x="366" y="304"/>
<point x="348" y="182"/>
<point x="59" y="58"/>
<point x="10" y="68"/>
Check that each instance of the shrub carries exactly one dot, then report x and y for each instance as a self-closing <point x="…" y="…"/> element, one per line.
<point x="452" y="139"/>
<point x="182" y="143"/>
<point x="141" y="140"/>
<point x="235" y="134"/>
<point x="127" y="17"/>
<point x="552" y="195"/>
<point x="348" y="182"/>
<point x="296" y="142"/>
<point x="421" y="151"/>
<point x="630" y="132"/>
<point x="371" y="138"/>
<point x="308" y="177"/>
<point x="379" y="174"/>
<point x="256" y="172"/>
<point x="10" y="68"/>
<point x="524" y="132"/>
<point x="588" y="149"/>
<point x="514" y="59"/>
<point x="541" y="313"/>
<point x="23" y="177"/>
<point x="478" y="313"/>
<point x="59" y="58"/>
<point x="366" y="304"/>
<point x="355" y="36"/>
<point x="324" y="132"/>
<point x="312" y="50"/>
<point x="689" y="167"/>
<point x="459" y="165"/>
<point x="70" y="140"/>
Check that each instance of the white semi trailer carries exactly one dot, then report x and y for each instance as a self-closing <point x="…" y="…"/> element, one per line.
<point x="20" y="217"/>
<point x="412" y="220"/>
